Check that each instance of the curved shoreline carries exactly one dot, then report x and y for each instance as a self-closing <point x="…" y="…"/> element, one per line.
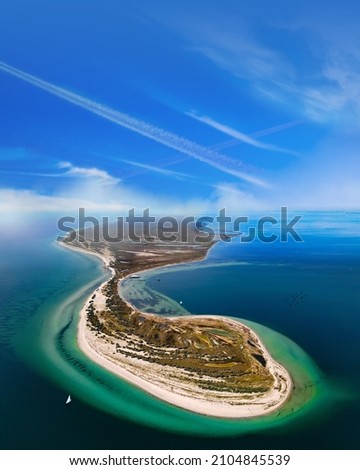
<point x="224" y="407"/>
<point x="205" y="407"/>
<point x="105" y="260"/>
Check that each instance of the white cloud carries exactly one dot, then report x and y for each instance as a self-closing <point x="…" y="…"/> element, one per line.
<point x="340" y="92"/>
<point x="100" y="199"/>
<point x="322" y="83"/>
<point x="14" y="200"/>
<point x="100" y="176"/>
<point x="235" y="200"/>
<point x="236" y="51"/>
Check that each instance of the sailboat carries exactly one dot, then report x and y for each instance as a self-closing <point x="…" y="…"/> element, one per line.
<point x="68" y="400"/>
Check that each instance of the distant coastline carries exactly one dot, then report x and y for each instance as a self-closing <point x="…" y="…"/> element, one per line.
<point x="165" y="382"/>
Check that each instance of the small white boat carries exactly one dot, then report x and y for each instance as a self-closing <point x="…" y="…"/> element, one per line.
<point x="134" y="276"/>
<point x="68" y="400"/>
<point x="180" y="302"/>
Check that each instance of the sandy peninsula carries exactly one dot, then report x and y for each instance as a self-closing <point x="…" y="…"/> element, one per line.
<point x="211" y="365"/>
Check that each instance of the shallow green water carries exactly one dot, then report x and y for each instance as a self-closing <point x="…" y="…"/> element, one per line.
<point x="41" y="297"/>
<point x="58" y="356"/>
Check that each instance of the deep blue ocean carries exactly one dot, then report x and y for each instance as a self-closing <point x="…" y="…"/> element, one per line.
<point x="308" y="292"/>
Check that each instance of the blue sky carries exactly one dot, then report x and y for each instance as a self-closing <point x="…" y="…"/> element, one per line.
<point x="179" y="107"/>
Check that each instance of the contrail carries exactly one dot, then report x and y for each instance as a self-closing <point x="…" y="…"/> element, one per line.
<point x="157" y="169"/>
<point x="240" y="136"/>
<point x="169" y="139"/>
<point x="280" y="127"/>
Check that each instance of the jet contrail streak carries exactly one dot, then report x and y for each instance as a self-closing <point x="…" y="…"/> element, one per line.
<point x="169" y="139"/>
<point x="240" y="136"/>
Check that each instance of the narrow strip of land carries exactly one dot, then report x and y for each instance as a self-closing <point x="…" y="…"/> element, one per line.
<point x="212" y="365"/>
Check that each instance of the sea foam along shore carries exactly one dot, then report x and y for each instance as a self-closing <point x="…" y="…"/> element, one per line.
<point x="156" y="380"/>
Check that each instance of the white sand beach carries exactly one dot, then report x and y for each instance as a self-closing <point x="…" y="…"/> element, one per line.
<point x="172" y="386"/>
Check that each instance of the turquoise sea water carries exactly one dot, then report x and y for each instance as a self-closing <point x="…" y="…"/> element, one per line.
<point x="308" y="293"/>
